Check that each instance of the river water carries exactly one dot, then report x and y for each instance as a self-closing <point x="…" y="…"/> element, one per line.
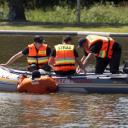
<point x="63" y="110"/>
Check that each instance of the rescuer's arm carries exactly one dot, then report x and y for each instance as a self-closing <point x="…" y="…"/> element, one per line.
<point x="81" y="66"/>
<point x="51" y="62"/>
<point x="13" y="59"/>
<point x="89" y="56"/>
<point x="82" y="59"/>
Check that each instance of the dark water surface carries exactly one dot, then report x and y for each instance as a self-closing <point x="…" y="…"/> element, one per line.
<point x="63" y="111"/>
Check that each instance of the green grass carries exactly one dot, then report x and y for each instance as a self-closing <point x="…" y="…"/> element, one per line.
<point x="118" y="29"/>
<point x="96" y="14"/>
<point x="106" y="14"/>
<point x="57" y="14"/>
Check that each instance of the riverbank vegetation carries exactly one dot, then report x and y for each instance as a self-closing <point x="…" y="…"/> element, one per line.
<point x="108" y="14"/>
<point x="60" y="15"/>
<point x="112" y="12"/>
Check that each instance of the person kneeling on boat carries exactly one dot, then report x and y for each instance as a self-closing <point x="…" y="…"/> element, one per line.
<point x="64" y="58"/>
<point x="37" y="55"/>
<point x="105" y="49"/>
<point x="38" y="84"/>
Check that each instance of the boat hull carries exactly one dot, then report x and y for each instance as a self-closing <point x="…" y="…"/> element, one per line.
<point x="90" y="83"/>
<point x="95" y="85"/>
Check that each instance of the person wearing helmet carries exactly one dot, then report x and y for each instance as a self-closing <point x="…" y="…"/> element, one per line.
<point x="105" y="49"/>
<point x="64" y="58"/>
<point x="37" y="54"/>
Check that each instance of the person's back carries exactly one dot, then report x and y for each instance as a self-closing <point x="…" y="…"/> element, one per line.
<point x="41" y="85"/>
<point x="105" y="49"/>
<point x="37" y="54"/>
<point x="64" y="58"/>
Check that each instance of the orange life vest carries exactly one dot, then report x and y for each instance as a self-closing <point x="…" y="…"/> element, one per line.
<point x="65" y="58"/>
<point x="107" y="45"/>
<point x="39" y="57"/>
<point x="42" y="85"/>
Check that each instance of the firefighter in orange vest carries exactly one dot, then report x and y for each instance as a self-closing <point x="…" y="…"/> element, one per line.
<point x="105" y="49"/>
<point x="64" y="58"/>
<point x="37" y="55"/>
<point x="38" y="84"/>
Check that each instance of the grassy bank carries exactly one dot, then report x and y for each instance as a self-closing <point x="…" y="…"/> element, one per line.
<point x="95" y="14"/>
<point x="104" y="14"/>
<point x="116" y="29"/>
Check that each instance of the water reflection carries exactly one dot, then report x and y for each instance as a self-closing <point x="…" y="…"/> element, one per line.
<point x="63" y="111"/>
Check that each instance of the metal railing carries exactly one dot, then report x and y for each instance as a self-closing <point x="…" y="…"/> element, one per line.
<point x="72" y="33"/>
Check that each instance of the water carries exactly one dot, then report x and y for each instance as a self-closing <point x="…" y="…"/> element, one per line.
<point x="63" y="111"/>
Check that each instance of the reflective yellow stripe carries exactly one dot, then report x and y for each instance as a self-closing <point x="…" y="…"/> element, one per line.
<point x="65" y="61"/>
<point x="42" y="60"/>
<point x="43" y="53"/>
<point x="102" y="54"/>
<point x="39" y="60"/>
<point x="31" y="60"/>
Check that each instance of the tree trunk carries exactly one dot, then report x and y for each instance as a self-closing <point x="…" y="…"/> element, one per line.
<point x="16" y="10"/>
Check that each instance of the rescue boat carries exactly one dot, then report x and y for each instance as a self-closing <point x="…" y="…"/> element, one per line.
<point x="89" y="83"/>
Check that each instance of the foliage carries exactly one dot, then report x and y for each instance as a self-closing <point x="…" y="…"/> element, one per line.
<point x="92" y="11"/>
<point x="105" y="14"/>
<point x="96" y="14"/>
<point x="32" y="4"/>
<point x="57" y="14"/>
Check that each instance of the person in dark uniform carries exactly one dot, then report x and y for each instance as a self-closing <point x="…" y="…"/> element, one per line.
<point x="64" y="58"/>
<point x="37" y="55"/>
<point x="105" y="49"/>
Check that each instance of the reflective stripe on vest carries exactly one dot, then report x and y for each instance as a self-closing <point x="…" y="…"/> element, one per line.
<point x="39" y="57"/>
<point x="64" y="56"/>
<point x="65" y="61"/>
<point x="42" y="60"/>
<point x="32" y="60"/>
<point x="64" y="68"/>
<point x="107" y="45"/>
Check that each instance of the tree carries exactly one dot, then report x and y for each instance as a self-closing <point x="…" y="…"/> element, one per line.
<point x="16" y="10"/>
